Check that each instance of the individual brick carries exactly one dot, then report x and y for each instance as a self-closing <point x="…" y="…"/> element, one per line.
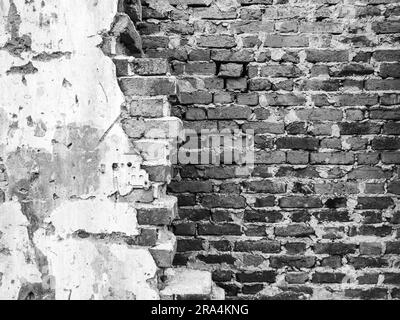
<point x="240" y="56"/>
<point x="280" y="71"/>
<point x="295" y="230"/>
<point x="201" y="68"/>
<point x="262" y="246"/>
<point x="223" y="201"/>
<point x="337" y="248"/>
<point x="229" y="112"/>
<point x="332" y="158"/>
<point x="147" y="86"/>
<point x="279" y="262"/>
<point x="219" y="229"/>
<point x="327" y="55"/>
<point x="300" y="202"/>
<point x="297" y="143"/>
<point x="265" y="186"/>
<point x="327" y="277"/>
<point x="237" y="84"/>
<point x="267" y="276"/>
<point x="281" y="41"/>
<point x="231" y="70"/>
<point x="384" y="27"/>
<point x="374" y="202"/>
<point x="214" y="41"/>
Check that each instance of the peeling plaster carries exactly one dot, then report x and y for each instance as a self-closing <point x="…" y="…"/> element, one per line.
<point x="59" y="146"/>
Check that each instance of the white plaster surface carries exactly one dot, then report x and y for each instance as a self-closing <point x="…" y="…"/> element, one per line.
<point x="55" y="123"/>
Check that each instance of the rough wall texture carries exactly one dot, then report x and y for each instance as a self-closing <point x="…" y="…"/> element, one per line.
<point x="83" y="207"/>
<point x="319" y="83"/>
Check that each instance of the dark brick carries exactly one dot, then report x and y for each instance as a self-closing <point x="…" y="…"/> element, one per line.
<point x="185" y="245"/>
<point x="296" y="143"/>
<point x="367" y="294"/>
<point x="386" y="143"/>
<point x="267" y="276"/>
<point x="368" y="230"/>
<point x="333" y="262"/>
<point x="295" y="248"/>
<point x="394" y="187"/>
<point x="357" y="128"/>
<point x="295" y="230"/>
<point x="231" y="289"/>
<point x="262" y="246"/>
<point x="367" y="262"/>
<point x="262" y="216"/>
<point x="383" y="27"/>
<point x="265" y="186"/>
<point x="190" y="186"/>
<point x="217" y="259"/>
<point x="300" y="202"/>
<point x="390" y="70"/>
<point x="368" y="278"/>
<point x="222" y="275"/>
<point x="335" y="248"/>
<point x="217" y="41"/>
<point x="223" y="201"/>
<point x="391" y="128"/>
<point x="292" y="261"/>
<point x="392" y="278"/>
<point x="320" y="277"/>
<point x="221" y="245"/>
<point x="185" y="229"/>
<point x="220" y="229"/>
<point x="333" y="216"/>
<point x="252" y="288"/>
<point x="327" y="56"/>
<point x="374" y="202"/>
<point x="263" y="202"/>
<point x="297" y="277"/>
<point x="181" y="259"/>
<point x="387" y="55"/>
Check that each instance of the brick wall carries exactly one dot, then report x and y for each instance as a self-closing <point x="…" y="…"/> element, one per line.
<point x="318" y="82"/>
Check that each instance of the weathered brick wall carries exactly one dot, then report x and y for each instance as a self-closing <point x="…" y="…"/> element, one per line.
<point x="85" y="142"/>
<point x="318" y="82"/>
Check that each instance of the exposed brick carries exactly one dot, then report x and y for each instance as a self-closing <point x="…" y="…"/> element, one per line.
<point x="262" y="246"/>
<point x="262" y="216"/>
<point x="221" y="41"/>
<point x="374" y="202"/>
<point x="326" y="125"/>
<point x="280" y="71"/>
<point x="295" y="230"/>
<point x="231" y="70"/>
<point x="213" y="229"/>
<point x="292" y="261"/>
<point x="319" y="277"/>
<point x="300" y="202"/>
<point x="334" y="248"/>
<point x="265" y="186"/>
<point x="327" y="56"/>
<point x="386" y="27"/>
<point x="217" y="259"/>
<point x="150" y="86"/>
<point x="223" y="201"/>
<point x="280" y="41"/>
<point x="256" y="276"/>
<point x="297" y="143"/>
<point x="367" y="294"/>
<point x="229" y="112"/>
